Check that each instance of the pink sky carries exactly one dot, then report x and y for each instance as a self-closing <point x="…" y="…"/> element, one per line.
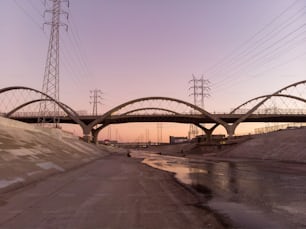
<point x="138" y="48"/>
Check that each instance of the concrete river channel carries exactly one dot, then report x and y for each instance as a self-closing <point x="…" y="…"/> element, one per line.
<point x="247" y="193"/>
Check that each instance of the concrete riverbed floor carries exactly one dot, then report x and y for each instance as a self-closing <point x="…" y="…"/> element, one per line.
<point x="113" y="192"/>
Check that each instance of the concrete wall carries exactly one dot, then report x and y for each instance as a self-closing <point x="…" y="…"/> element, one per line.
<point x="29" y="153"/>
<point x="284" y="145"/>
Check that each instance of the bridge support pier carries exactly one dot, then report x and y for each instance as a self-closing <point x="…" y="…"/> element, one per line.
<point x="230" y="129"/>
<point x="208" y="132"/>
<point x="95" y="133"/>
<point x="87" y="137"/>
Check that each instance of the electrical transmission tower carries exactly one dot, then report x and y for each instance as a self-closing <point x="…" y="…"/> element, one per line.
<point x="51" y="74"/>
<point x="199" y="90"/>
<point x="96" y="98"/>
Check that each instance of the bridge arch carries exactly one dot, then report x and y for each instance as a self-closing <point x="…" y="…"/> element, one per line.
<point x="231" y="128"/>
<point x="196" y="108"/>
<point x="68" y="110"/>
<point x="100" y="119"/>
<point x="150" y="108"/>
<point x="264" y="96"/>
<point x="10" y="113"/>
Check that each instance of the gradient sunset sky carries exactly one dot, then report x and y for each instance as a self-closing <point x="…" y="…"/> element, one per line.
<point x="138" y="48"/>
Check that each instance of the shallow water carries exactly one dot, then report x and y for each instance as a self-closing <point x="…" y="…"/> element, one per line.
<point x="252" y="194"/>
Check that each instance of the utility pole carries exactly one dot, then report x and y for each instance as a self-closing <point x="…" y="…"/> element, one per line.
<point x="51" y="74"/>
<point x="159" y="132"/>
<point x="95" y="96"/>
<point x="199" y="90"/>
<point x="109" y="133"/>
<point x="116" y="131"/>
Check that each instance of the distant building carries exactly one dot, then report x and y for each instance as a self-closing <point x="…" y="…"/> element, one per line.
<point x="175" y="140"/>
<point x="214" y="138"/>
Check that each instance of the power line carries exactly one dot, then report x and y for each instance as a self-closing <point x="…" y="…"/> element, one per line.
<point x="73" y="53"/>
<point x="29" y="15"/>
<point x="230" y="54"/>
<point x="78" y="42"/>
<point x="35" y="8"/>
<point x="260" y="55"/>
<point x="246" y="47"/>
<point x="70" y="57"/>
<point x="262" y="41"/>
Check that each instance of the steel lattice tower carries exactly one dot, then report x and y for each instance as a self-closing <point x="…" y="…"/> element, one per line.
<point x="51" y="74"/>
<point x="96" y="99"/>
<point x="200" y="90"/>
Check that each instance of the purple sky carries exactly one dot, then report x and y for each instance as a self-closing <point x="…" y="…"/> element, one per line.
<point x="139" y="48"/>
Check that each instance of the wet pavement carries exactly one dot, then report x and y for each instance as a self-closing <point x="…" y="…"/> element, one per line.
<point x="114" y="192"/>
<point x="250" y="193"/>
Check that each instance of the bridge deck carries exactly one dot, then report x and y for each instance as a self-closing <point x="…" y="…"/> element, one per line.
<point x="229" y="118"/>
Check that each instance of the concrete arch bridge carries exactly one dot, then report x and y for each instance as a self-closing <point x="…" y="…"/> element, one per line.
<point x="285" y="105"/>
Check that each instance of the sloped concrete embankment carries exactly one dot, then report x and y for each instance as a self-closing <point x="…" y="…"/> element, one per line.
<point x="29" y="153"/>
<point x="284" y="145"/>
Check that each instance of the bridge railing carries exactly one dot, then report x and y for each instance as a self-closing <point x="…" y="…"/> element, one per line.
<point x="273" y="128"/>
<point x="38" y="114"/>
<point x="274" y="110"/>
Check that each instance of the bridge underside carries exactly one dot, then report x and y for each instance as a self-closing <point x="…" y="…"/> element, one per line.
<point x="177" y="118"/>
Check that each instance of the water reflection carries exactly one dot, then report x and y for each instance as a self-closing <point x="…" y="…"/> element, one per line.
<point x="171" y="164"/>
<point x="265" y="193"/>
